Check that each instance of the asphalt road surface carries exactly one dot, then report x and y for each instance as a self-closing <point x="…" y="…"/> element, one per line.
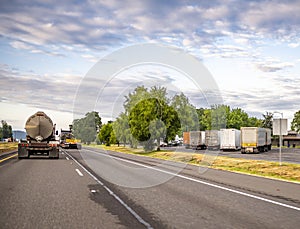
<point x="93" y="188"/>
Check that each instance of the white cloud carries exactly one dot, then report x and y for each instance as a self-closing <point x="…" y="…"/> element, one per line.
<point x="53" y="92"/>
<point x="20" y="45"/>
<point x="273" y="65"/>
<point x="294" y="45"/>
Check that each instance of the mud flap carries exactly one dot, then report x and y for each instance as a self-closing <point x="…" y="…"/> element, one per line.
<point x="22" y="152"/>
<point x="54" y="153"/>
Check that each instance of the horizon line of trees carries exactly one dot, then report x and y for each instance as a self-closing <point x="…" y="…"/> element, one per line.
<point x="150" y="115"/>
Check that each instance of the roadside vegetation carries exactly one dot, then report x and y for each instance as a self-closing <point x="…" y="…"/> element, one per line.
<point x="287" y="171"/>
<point x="5" y="131"/>
<point x="8" y="146"/>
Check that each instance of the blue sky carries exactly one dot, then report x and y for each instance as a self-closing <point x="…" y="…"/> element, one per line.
<point x="251" y="48"/>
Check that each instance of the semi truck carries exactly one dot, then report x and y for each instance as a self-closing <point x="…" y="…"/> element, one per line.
<point x="230" y="139"/>
<point x="212" y="139"/>
<point x="67" y="140"/>
<point x="40" y="138"/>
<point x="197" y="140"/>
<point x="255" y="139"/>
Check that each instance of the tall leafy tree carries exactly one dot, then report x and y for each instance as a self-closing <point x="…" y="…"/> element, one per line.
<point x="140" y="93"/>
<point x="267" y="121"/>
<point x="219" y="115"/>
<point x="152" y="119"/>
<point x="255" y="122"/>
<point x="204" y="116"/>
<point x="187" y="113"/>
<point x="6" y="130"/>
<point x="86" y="128"/>
<point x="295" y="125"/>
<point x="121" y="129"/>
<point x="237" y="118"/>
<point x="107" y="134"/>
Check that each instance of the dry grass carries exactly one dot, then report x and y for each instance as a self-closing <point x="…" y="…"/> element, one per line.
<point x="8" y="146"/>
<point x="287" y="171"/>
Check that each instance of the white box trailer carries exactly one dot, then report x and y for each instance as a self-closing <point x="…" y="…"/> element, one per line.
<point x="197" y="139"/>
<point x="255" y="139"/>
<point x="230" y="139"/>
<point x="212" y="139"/>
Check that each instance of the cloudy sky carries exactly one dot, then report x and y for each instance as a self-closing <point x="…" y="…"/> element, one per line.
<point x="251" y="48"/>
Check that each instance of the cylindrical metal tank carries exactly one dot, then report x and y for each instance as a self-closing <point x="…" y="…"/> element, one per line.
<point x="39" y="126"/>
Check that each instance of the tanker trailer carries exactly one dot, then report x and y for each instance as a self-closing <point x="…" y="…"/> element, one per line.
<point x="40" y="139"/>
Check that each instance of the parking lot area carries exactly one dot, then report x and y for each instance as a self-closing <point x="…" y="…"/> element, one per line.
<point x="290" y="155"/>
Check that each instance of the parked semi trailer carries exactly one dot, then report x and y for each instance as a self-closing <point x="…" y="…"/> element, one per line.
<point x="186" y="139"/>
<point x="230" y="139"/>
<point x="40" y="139"/>
<point x="197" y="139"/>
<point x="212" y="139"/>
<point x="255" y="139"/>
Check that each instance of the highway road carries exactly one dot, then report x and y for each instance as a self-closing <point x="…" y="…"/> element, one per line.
<point x="92" y="188"/>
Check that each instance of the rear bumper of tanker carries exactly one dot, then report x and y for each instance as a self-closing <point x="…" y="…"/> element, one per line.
<point x="25" y="151"/>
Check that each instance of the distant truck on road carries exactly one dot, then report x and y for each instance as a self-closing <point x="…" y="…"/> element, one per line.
<point x="230" y="139"/>
<point x="255" y="139"/>
<point x="68" y="141"/>
<point x="40" y="139"/>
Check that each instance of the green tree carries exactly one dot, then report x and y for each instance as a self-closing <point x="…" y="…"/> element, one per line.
<point x="219" y="115"/>
<point x="107" y="134"/>
<point x="187" y="113"/>
<point x="204" y="116"/>
<point x="6" y="130"/>
<point x="295" y="125"/>
<point x="237" y="118"/>
<point x="140" y="93"/>
<point x="121" y="129"/>
<point x="152" y="119"/>
<point x="255" y="122"/>
<point x="86" y="128"/>
<point x="267" y="121"/>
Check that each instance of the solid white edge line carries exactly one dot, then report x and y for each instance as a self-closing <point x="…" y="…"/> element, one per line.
<point x="201" y="182"/>
<point x="79" y="173"/>
<point x="139" y="218"/>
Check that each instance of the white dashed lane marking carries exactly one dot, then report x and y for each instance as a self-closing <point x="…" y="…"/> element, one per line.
<point x="79" y="173"/>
